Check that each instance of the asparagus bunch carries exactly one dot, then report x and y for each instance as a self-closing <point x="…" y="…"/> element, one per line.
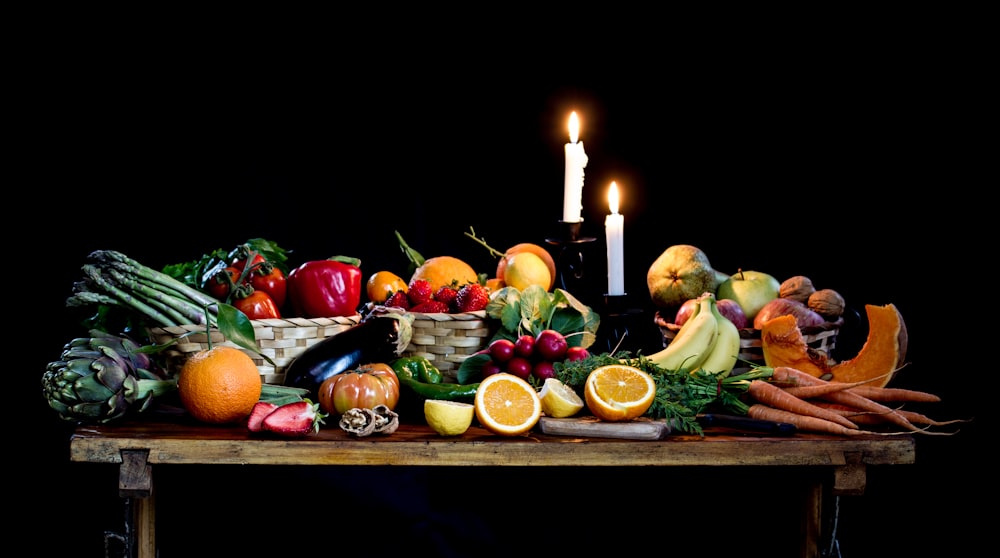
<point x="112" y="278"/>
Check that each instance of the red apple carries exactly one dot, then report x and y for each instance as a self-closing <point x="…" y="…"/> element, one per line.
<point x="731" y="309"/>
<point x="685" y="311"/>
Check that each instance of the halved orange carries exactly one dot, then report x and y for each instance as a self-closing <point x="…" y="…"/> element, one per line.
<point x="507" y="405"/>
<point x="617" y="392"/>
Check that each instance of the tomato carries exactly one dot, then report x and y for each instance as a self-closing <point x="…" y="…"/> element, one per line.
<point x="240" y="262"/>
<point x="258" y="305"/>
<point x="218" y="286"/>
<point x="366" y="386"/>
<point x="272" y="283"/>
<point x="383" y="284"/>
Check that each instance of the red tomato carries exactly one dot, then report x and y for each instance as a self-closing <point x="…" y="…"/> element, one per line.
<point x="240" y="263"/>
<point x="365" y="387"/>
<point x="258" y="305"/>
<point x="219" y="287"/>
<point x="272" y="283"/>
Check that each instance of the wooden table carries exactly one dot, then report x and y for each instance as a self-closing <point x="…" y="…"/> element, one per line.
<point x="137" y="446"/>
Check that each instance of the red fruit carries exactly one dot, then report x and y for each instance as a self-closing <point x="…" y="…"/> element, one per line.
<point x="520" y="367"/>
<point x="576" y="353"/>
<point x="300" y="418"/>
<point x="420" y="290"/>
<point x="525" y="346"/>
<point x="491" y="367"/>
<point x="472" y="297"/>
<point x="398" y="300"/>
<point x="551" y="345"/>
<point x="446" y="294"/>
<point x="430" y="307"/>
<point x="543" y="369"/>
<point x="501" y="350"/>
<point x="260" y="410"/>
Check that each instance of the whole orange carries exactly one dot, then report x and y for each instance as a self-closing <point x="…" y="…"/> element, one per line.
<point x="535" y="249"/>
<point x="383" y="284"/>
<point x="445" y="270"/>
<point x="219" y="385"/>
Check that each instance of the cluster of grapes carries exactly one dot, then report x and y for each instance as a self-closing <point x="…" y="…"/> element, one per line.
<point x="531" y="355"/>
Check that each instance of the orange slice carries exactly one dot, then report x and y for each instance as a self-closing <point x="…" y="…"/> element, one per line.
<point x="507" y="405"/>
<point x="618" y="392"/>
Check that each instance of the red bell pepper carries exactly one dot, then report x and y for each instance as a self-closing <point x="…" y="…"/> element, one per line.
<point x="326" y="288"/>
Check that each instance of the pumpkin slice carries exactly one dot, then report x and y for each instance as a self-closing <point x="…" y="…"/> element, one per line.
<point x="782" y="343"/>
<point x="884" y="350"/>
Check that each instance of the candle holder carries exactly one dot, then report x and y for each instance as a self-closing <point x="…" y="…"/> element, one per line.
<point x="569" y="260"/>
<point x="619" y="329"/>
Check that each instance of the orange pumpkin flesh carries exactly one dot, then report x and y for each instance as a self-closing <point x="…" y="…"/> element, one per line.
<point x="883" y="353"/>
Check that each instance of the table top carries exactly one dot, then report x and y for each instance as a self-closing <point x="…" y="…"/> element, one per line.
<point x="172" y="442"/>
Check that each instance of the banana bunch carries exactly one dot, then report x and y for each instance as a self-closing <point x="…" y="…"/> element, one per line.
<point x="707" y="341"/>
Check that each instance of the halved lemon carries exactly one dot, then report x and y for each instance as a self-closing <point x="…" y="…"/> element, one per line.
<point x="618" y="392"/>
<point x="558" y="399"/>
<point x="448" y="418"/>
<point x="507" y="405"/>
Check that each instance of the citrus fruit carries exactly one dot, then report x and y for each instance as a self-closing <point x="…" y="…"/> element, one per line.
<point x="618" y="392"/>
<point x="525" y="269"/>
<point x="219" y="385"/>
<point x="383" y="284"/>
<point x="534" y="249"/>
<point x="445" y="270"/>
<point x="507" y="405"/>
<point x="448" y="418"/>
<point x="558" y="399"/>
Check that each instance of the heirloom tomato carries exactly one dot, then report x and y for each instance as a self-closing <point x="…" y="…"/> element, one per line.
<point x="258" y="305"/>
<point x="366" y="386"/>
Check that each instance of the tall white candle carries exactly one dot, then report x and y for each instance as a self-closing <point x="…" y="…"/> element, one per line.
<point x="576" y="160"/>
<point x="614" y="230"/>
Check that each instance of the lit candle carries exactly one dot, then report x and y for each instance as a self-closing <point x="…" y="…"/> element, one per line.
<point x="576" y="159"/>
<point x="614" y="230"/>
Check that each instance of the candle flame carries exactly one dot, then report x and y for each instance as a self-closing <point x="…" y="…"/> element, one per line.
<point x="574" y="127"/>
<point x="613" y="198"/>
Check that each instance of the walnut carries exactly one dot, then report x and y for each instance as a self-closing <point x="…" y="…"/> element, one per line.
<point x="827" y="303"/>
<point x="797" y="288"/>
<point x="363" y="422"/>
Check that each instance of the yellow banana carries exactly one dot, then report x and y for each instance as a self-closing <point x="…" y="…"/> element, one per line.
<point x="726" y="352"/>
<point x="693" y="342"/>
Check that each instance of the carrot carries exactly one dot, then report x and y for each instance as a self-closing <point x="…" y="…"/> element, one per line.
<point x="801" y="422"/>
<point x="863" y="417"/>
<point x="865" y="404"/>
<point x="890" y="395"/>
<point x="773" y="396"/>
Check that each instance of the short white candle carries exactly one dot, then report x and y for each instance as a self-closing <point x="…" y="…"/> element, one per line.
<point x="576" y="160"/>
<point x="614" y="230"/>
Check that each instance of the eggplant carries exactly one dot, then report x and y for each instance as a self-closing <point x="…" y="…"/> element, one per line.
<point x="379" y="337"/>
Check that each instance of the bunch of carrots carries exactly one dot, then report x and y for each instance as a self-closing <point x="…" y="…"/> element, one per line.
<point x="816" y="405"/>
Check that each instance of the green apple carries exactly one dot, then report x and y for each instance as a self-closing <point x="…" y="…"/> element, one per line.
<point x="750" y="289"/>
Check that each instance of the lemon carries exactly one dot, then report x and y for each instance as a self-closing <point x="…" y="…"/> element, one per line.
<point x="525" y="269"/>
<point x="558" y="399"/>
<point x="448" y="418"/>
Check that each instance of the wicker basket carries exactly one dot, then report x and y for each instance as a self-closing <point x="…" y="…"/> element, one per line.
<point x="821" y="338"/>
<point x="448" y="339"/>
<point x="280" y="339"/>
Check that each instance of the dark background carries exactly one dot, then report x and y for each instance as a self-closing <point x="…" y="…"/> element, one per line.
<point x="850" y="166"/>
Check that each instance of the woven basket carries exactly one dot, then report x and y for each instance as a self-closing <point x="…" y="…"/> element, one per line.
<point x="448" y="339"/>
<point x="280" y="339"/>
<point x="821" y="338"/>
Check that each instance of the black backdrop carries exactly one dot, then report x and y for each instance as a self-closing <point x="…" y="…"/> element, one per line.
<point x="844" y="172"/>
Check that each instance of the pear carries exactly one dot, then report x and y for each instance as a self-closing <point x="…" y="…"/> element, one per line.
<point x="680" y="273"/>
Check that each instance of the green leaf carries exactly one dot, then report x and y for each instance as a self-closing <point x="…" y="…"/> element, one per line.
<point x="471" y="369"/>
<point x="236" y="326"/>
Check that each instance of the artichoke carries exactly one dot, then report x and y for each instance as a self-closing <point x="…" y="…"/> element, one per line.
<point x="102" y="378"/>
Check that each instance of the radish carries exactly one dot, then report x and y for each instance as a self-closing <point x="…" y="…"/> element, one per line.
<point x="551" y="345"/>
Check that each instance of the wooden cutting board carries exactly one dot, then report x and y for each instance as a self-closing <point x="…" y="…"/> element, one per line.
<point x="592" y="427"/>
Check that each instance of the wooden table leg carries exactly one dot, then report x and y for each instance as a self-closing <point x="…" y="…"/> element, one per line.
<point x="135" y="482"/>
<point x="812" y="520"/>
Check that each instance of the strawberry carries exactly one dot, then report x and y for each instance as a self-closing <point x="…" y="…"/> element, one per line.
<point x="472" y="297"/>
<point x="260" y="410"/>
<point x="398" y="300"/>
<point x="431" y="307"/>
<point x="420" y="290"/>
<point x="446" y="294"/>
<point x="300" y="418"/>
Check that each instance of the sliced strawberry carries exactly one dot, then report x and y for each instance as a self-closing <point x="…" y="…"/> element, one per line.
<point x="300" y="418"/>
<point x="260" y="410"/>
<point x="431" y="307"/>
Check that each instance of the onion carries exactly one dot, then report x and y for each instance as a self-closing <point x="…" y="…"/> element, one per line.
<point x="804" y="317"/>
